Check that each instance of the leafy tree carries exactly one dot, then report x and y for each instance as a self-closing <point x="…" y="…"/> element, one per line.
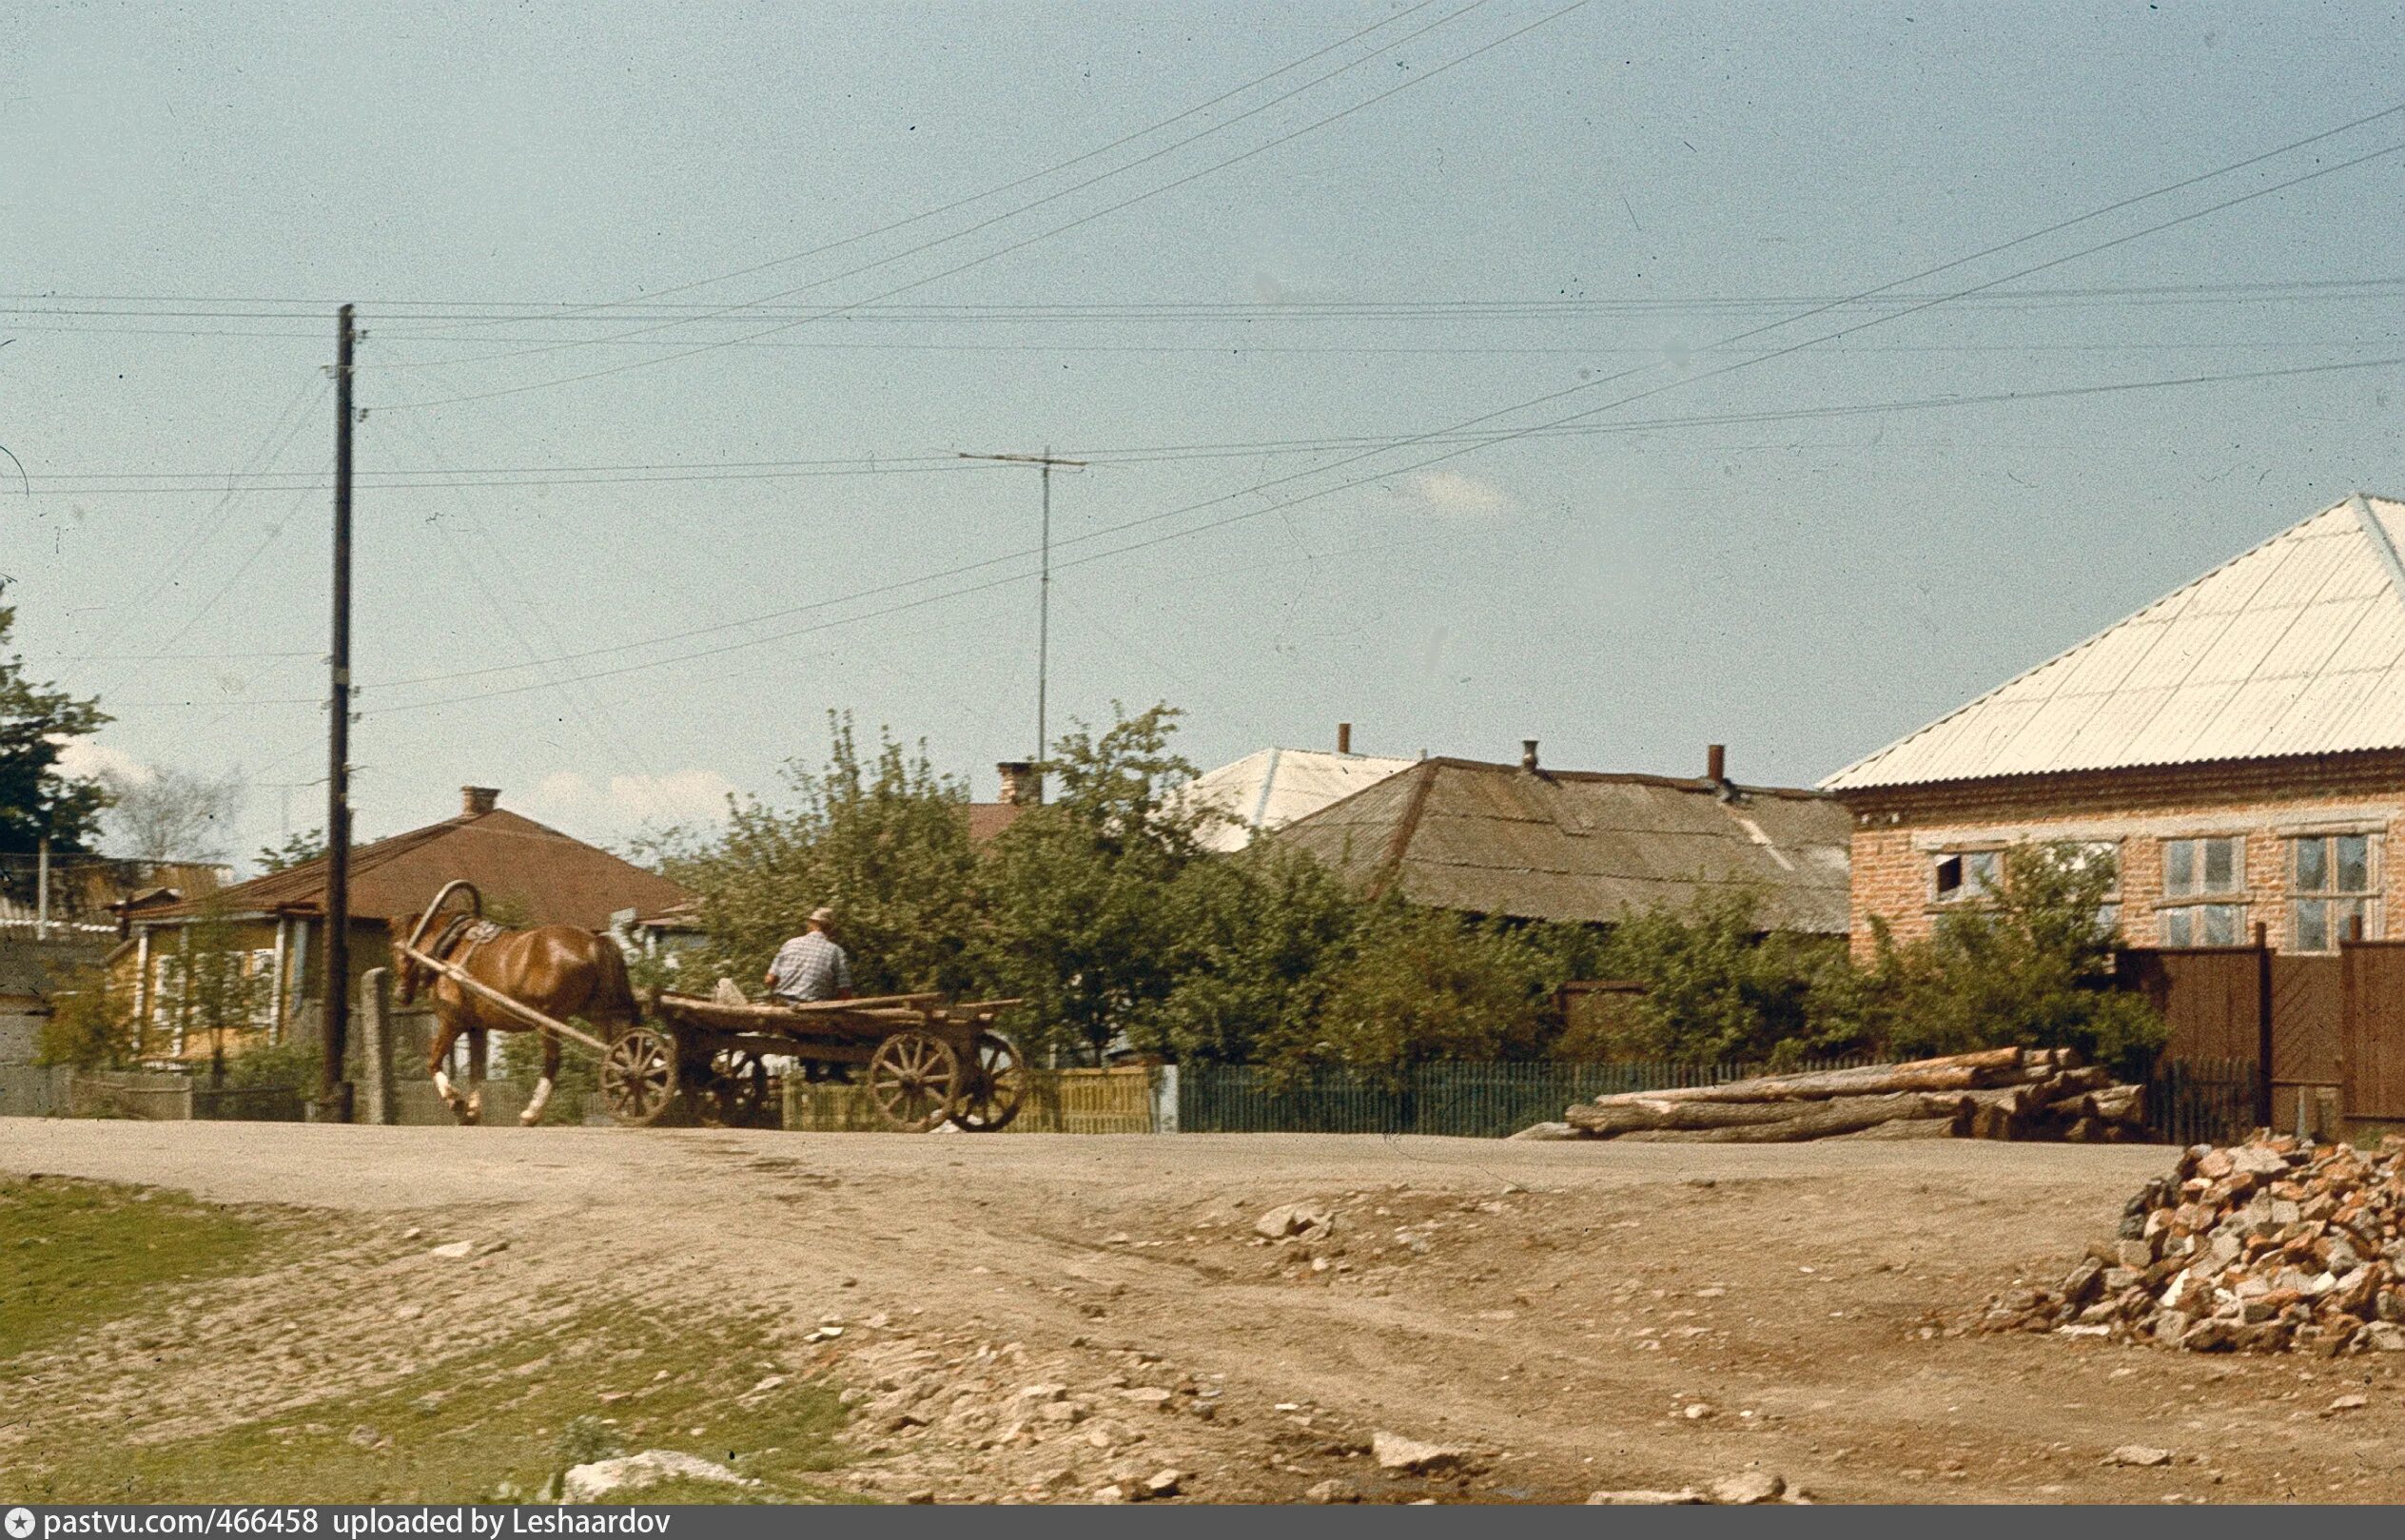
<point x="91" y="1025"/>
<point x="36" y="722"/>
<point x="216" y="989"/>
<point x="2030" y="966"/>
<point x="1075" y="888"/>
<point x="883" y="841"/>
<point x="1414" y="984"/>
<point x="1720" y="988"/>
<point x="297" y="851"/>
<point x="1255" y="933"/>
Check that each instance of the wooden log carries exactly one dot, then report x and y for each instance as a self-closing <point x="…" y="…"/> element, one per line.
<point x="1995" y="1120"/>
<point x="1959" y="1072"/>
<point x="1823" y="1120"/>
<point x="2118" y="1103"/>
<point x="1908" y="1128"/>
<point x="1656" y="1116"/>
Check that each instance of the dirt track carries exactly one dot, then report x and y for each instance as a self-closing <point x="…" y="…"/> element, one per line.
<point x="1557" y="1309"/>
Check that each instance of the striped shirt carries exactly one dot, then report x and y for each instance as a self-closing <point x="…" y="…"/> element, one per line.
<point x="810" y="968"/>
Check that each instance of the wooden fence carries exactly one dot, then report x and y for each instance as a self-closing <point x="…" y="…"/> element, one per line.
<point x="1058" y="1102"/>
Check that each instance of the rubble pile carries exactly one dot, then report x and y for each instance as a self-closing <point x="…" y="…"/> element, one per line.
<point x="1996" y="1093"/>
<point x="2270" y="1246"/>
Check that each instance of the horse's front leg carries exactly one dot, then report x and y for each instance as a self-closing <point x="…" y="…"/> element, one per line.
<point x="438" y="1053"/>
<point x="475" y="1076"/>
<point x="534" y="1104"/>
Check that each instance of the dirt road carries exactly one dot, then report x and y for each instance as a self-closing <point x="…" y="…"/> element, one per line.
<point x="1030" y="1317"/>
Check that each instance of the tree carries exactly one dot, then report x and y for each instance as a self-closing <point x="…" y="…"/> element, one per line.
<point x="884" y="841"/>
<point x="297" y="851"/>
<point x="1075" y="889"/>
<point x="2032" y="966"/>
<point x="1718" y="986"/>
<point x="37" y="801"/>
<point x="173" y="815"/>
<point x="1417" y="983"/>
<point x="91" y="1025"/>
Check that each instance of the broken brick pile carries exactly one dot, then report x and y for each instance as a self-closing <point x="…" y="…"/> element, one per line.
<point x="2270" y="1246"/>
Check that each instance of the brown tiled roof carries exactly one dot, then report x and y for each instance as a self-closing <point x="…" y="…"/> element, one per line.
<point x="987" y="819"/>
<point x="558" y="879"/>
<point x="1571" y="845"/>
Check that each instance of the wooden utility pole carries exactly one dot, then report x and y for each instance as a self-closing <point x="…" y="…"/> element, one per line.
<point x="1044" y="598"/>
<point x="333" y="1091"/>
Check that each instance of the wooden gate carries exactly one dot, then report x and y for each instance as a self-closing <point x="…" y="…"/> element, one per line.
<point x="2373" y="1028"/>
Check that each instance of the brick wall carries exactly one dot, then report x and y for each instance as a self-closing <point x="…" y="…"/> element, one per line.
<point x="1899" y="833"/>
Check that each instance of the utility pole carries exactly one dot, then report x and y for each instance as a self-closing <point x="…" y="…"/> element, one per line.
<point x="1043" y="597"/>
<point x="333" y="1091"/>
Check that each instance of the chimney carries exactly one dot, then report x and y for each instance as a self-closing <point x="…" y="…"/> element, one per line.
<point x="479" y="799"/>
<point x="1528" y="754"/>
<point x="1717" y="763"/>
<point x="1018" y="781"/>
<point x="1345" y="737"/>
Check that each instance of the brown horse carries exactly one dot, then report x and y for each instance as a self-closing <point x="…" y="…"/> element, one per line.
<point x="560" y="971"/>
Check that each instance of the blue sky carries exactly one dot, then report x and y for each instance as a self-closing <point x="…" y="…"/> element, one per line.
<point x="187" y="195"/>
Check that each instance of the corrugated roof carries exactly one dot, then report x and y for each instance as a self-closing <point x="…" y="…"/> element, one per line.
<point x="1570" y="844"/>
<point x="559" y="879"/>
<point x="2297" y="646"/>
<point x="1272" y="788"/>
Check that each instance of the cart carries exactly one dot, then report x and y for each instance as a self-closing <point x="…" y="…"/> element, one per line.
<point x="924" y="1060"/>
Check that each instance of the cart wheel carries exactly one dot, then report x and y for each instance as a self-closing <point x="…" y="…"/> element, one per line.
<point x="997" y="1082"/>
<point x="638" y="1076"/>
<point x="914" y="1078"/>
<point x="738" y="1087"/>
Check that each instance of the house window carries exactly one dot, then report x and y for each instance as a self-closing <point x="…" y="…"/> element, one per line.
<point x="2330" y="887"/>
<point x="1969" y="875"/>
<point x="2199" y="876"/>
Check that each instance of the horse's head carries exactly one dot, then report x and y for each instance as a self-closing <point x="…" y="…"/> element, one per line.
<point x="404" y="966"/>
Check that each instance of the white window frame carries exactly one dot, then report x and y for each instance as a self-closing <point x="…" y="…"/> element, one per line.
<point x="2193" y="908"/>
<point x="2333" y="904"/>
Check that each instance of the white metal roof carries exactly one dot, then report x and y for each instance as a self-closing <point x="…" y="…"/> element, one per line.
<point x="1272" y="788"/>
<point x="2297" y="646"/>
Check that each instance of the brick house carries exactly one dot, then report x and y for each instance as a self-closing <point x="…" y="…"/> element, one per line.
<point x="2237" y="746"/>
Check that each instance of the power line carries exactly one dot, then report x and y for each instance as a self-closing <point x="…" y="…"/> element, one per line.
<point x="1422" y="78"/>
<point x="1456" y="428"/>
<point x="742" y="472"/>
<point x="986" y="223"/>
<point x="1798" y="414"/>
<point x="1541" y="307"/>
<point x="270" y="452"/>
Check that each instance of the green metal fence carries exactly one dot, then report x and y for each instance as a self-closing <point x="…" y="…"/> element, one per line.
<point x="1469" y="1101"/>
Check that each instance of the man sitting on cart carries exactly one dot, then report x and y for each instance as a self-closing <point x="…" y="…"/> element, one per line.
<point x="811" y="966"/>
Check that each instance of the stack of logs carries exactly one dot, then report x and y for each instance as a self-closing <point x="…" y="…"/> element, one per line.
<point x="2268" y="1246"/>
<point x="2000" y="1093"/>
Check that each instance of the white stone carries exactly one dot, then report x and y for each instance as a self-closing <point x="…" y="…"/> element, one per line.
<point x="1392" y="1451"/>
<point x="1295" y="1219"/>
<point x="1747" y="1488"/>
<point x="633" y="1472"/>
<point x="1641" y="1497"/>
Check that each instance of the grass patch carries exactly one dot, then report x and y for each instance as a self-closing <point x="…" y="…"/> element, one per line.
<point x="497" y="1424"/>
<point x="75" y="1254"/>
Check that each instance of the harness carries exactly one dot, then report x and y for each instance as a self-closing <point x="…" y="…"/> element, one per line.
<point x="472" y="929"/>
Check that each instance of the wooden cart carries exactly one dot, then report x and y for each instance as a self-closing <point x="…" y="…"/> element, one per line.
<point x="923" y="1059"/>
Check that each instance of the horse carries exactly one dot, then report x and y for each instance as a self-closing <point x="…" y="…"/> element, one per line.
<point x="561" y="970"/>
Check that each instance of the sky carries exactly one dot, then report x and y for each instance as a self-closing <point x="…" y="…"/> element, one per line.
<point x="676" y="316"/>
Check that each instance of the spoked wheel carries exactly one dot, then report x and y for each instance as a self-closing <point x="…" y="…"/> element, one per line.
<point x="638" y="1076"/>
<point x="997" y="1082"/>
<point x="914" y="1078"/>
<point x="738" y="1087"/>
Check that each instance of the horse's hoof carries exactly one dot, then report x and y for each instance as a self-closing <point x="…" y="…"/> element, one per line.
<point x="528" y="1120"/>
